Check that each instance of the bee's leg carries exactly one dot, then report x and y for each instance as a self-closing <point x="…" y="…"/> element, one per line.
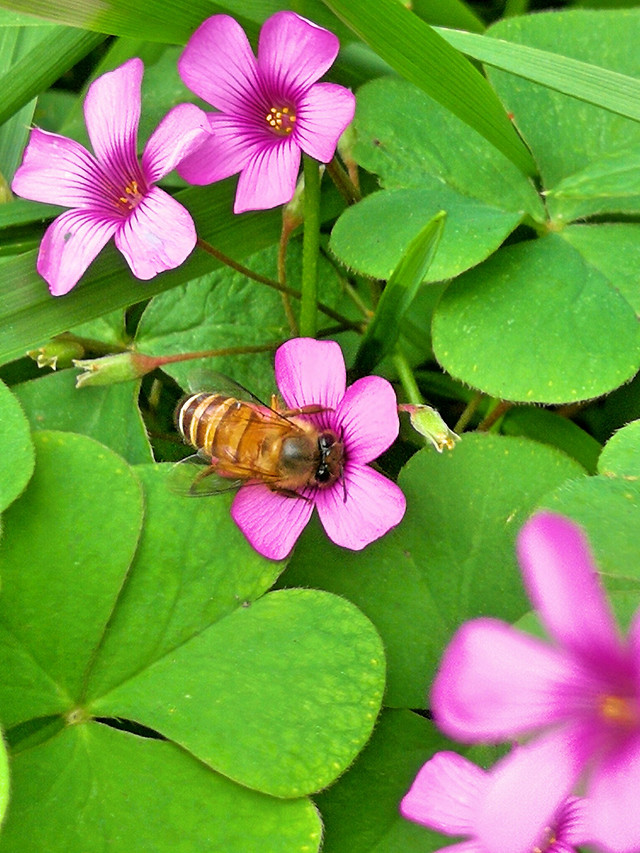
<point x="204" y="472"/>
<point x="291" y="493"/>
<point x="311" y="409"/>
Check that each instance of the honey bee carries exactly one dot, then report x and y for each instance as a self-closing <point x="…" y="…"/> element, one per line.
<point x="241" y="439"/>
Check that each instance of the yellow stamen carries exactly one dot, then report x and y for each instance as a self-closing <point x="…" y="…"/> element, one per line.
<point x="619" y="710"/>
<point x="281" y="120"/>
<point x="132" y="196"/>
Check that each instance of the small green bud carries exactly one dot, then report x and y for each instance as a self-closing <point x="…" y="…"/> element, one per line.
<point x="427" y="421"/>
<point x="58" y="353"/>
<point x="110" y="369"/>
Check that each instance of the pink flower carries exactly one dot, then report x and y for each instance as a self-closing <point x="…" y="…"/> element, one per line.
<point x="270" y="109"/>
<point x="447" y="795"/>
<point x="579" y="699"/>
<point x="111" y="193"/>
<point x="361" y="505"/>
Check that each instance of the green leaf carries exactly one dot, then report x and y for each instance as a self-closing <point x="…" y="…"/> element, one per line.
<point x="4" y="779"/>
<point x="451" y="558"/>
<point x="58" y="50"/>
<point x="63" y="559"/>
<point x="284" y="693"/>
<point x="93" y="788"/>
<point x="433" y="162"/>
<point x="610" y="90"/>
<point x="109" y="414"/>
<point x="555" y="430"/>
<point x="192" y="568"/>
<point x="567" y="135"/>
<point x="384" y="329"/>
<point x="537" y="323"/>
<point x="416" y="52"/>
<point x="360" y="811"/>
<point x="16" y="448"/>
<point x="620" y="456"/>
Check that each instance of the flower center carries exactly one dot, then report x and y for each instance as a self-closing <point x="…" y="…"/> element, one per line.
<point x="132" y="196"/>
<point x="548" y="838"/>
<point x="281" y="120"/>
<point x="619" y="710"/>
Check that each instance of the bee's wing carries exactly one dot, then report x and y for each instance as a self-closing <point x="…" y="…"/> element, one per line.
<point x="194" y="477"/>
<point x="204" y="380"/>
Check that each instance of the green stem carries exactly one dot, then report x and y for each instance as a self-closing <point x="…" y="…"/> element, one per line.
<point x="310" y="248"/>
<point x="407" y="379"/>
<point x="468" y="413"/>
<point x="347" y="189"/>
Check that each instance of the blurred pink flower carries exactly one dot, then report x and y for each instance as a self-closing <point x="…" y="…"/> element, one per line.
<point x="111" y="193"/>
<point x="447" y="795"/>
<point x="361" y="505"/>
<point x="270" y="108"/>
<point x="578" y="697"/>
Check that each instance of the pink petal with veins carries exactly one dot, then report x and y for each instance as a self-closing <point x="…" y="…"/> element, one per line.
<point x="69" y="245"/>
<point x="310" y="371"/>
<point x="272" y="522"/>
<point x="219" y="66"/>
<point x="158" y="235"/>
<point x="360" y="507"/>
<point x="368" y="417"/>
<point x="445" y="794"/>
<point x="112" y="113"/>
<point x="293" y="53"/>
<point x="181" y="131"/>
<point x="324" y="111"/>
<point x="57" y="170"/>
<point x="269" y="178"/>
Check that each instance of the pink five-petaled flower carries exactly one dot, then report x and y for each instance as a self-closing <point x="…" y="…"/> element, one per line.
<point x="111" y="193"/>
<point x="270" y="109"/>
<point x="447" y="793"/>
<point x="579" y="697"/>
<point x="361" y="505"/>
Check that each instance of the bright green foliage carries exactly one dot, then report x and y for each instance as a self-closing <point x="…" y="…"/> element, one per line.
<point x="16" y="449"/>
<point x="140" y="606"/>
<point x="157" y="694"/>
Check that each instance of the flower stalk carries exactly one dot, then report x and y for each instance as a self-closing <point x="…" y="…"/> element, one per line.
<point x="310" y="248"/>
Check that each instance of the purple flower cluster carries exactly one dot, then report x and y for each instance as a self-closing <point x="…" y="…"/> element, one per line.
<point x="270" y="110"/>
<point x="573" y="704"/>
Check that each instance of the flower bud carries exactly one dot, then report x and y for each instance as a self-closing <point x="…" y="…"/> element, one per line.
<point x="110" y="369"/>
<point x="427" y="421"/>
<point x="57" y="353"/>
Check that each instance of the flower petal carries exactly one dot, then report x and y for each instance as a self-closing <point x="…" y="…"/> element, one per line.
<point x="271" y="522"/>
<point x="562" y="583"/>
<point x="269" y="178"/>
<point x="69" y="245"/>
<point x="368" y="418"/>
<point x="57" y="170"/>
<point x="309" y="371"/>
<point x="526" y="790"/>
<point x="180" y="132"/>
<point x="360" y="507"/>
<point x="293" y="52"/>
<point x="445" y="794"/>
<point x="225" y="151"/>
<point x="612" y="799"/>
<point x="219" y="66"/>
<point x="112" y="114"/>
<point x="158" y="235"/>
<point x="323" y="113"/>
<point x="495" y="683"/>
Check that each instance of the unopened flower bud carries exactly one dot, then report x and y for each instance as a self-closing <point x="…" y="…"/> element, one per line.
<point x="110" y="369"/>
<point x="58" y="353"/>
<point x="427" y="421"/>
